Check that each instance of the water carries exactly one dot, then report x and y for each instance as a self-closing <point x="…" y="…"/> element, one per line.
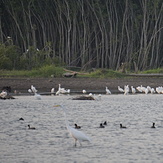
<point x="51" y="142"/>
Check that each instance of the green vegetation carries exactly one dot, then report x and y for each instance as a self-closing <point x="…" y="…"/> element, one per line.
<point x="153" y="71"/>
<point x="45" y="71"/>
<point x="102" y="34"/>
<point x="104" y="73"/>
<point x="55" y="71"/>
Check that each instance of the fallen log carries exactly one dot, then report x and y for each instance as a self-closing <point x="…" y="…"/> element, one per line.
<point x="84" y="98"/>
<point x="7" y="97"/>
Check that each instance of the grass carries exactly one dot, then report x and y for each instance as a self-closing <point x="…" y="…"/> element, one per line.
<point x="104" y="73"/>
<point x="153" y="71"/>
<point x="54" y="71"/>
<point x="46" y="71"/>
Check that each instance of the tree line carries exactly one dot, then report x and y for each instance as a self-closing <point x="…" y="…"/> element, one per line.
<point x="82" y="33"/>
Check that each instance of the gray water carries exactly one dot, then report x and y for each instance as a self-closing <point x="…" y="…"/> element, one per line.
<point x="51" y="142"/>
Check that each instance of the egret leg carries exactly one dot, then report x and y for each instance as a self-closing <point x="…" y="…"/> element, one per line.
<point x="75" y="142"/>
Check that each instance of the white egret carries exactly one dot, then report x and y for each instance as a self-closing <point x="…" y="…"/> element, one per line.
<point x="120" y="89"/>
<point x="90" y="94"/>
<point x="152" y="90"/>
<point x="62" y="90"/>
<point x="52" y="90"/>
<point x="29" y="90"/>
<point x="76" y="134"/>
<point x="34" y="90"/>
<point x="108" y="91"/>
<point x="126" y="89"/>
<point x="133" y="90"/>
<point x="146" y="91"/>
<point x="3" y="94"/>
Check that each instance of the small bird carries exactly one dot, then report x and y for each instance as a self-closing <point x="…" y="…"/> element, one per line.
<point x="122" y="126"/>
<point x="120" y="89"/>
<point x="105" y="123"/>
<point x="107" y="91"/>
<point x="21" y="119"/>
<point x="133" y="90"/>
<point x="153" y="126"/>
<point x="84" y="91"/>
<point x="101" y="125"/>
<point x="31" y="128"/>
<point x="52" y="91"/>
<point x="77" y="127"/>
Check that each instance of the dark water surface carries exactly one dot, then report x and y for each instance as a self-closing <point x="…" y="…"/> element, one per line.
<point x="51" y="143"/>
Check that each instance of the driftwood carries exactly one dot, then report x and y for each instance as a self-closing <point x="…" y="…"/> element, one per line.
<point x="69" y="75"/>
<point x="7" y="97"/>
<point x="84" y="98"/>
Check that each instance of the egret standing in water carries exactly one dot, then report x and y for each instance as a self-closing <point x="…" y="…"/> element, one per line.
<point x="76" y="134"/>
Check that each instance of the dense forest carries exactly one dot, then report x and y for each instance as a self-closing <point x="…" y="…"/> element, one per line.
<point x="81" y="33"/>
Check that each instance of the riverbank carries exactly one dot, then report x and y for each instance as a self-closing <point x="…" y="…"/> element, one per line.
<point x="78" y="84"/>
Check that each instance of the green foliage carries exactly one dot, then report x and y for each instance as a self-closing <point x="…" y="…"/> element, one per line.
<point x="45" y="71"/>
<point x="9" y="57"/>
<point x="105" y="73"/>
<point x="153" y="71"/>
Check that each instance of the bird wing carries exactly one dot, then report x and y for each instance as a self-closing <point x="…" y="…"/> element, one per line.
<point x="76" y="134"/>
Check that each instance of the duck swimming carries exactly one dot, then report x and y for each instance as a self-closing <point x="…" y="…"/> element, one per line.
<point x="77" y="127"/>
<point x="21" y="119"/>
<point x="121" y="126"/>
<point x="153" y="126"/>
<point x="101" y="125"/>
<point x="31" y="128"/>
<point x="105" y="123"/>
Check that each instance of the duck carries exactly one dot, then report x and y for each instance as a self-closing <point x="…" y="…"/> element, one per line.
<point x="101" y="125"/>
<point x="121" y="126"/>
<point x="77" y="127"/>
<point x="153" y="126"/>
<point x="31" y="128"/>
<point x="21" y="119"/>
<point x="105" y="123"/>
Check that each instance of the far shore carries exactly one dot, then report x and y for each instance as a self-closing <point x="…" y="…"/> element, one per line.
<point x="78" y="84"/>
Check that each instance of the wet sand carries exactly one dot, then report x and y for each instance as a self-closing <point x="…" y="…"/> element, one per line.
<point x="78" y="84"/>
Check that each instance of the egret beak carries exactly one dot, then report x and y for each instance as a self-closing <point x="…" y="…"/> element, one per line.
<point x="56" y="105"/>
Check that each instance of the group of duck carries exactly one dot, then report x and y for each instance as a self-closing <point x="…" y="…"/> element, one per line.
<point x="102" y="125"/>
<point x="29" y="126"/>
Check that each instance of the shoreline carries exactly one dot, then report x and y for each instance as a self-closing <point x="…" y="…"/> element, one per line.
<point x="78" y="84"/>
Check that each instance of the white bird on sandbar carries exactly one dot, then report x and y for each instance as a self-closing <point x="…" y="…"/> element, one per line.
<point x="52" y="90"/>
<point x="126" y="89"/>
<point x="76" y="134"/>
<point x="133" y="90"/>
<point x="3" y="94"/>
<point x="120" y="89"/>
<point x="108" y="92"/>
<point x="34" y="90"/>
<point x="62" y="90"/>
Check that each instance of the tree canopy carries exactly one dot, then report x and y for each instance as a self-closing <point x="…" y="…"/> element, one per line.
<point x="83" y="33"/>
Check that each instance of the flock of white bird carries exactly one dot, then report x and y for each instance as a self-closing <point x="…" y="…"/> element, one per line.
<point x="126" y="90"/>
<point x="140" y="89"/>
